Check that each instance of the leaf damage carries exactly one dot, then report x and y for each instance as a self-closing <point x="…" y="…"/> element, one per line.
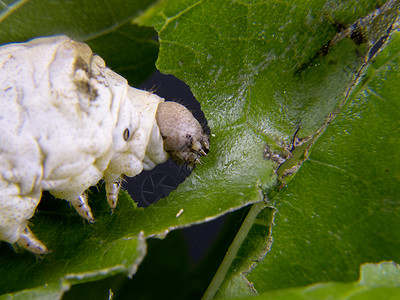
<point x="372" y="30"/>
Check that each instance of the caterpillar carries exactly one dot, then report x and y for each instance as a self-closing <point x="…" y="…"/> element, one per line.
<point x="67" y="121"/>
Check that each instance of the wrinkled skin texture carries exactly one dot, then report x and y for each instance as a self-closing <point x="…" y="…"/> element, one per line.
<point x="67" y="121"/>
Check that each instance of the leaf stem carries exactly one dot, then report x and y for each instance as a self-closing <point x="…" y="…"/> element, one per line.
<point x="233" y="250"/>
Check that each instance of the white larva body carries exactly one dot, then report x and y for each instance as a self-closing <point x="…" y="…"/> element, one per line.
<point x="67" y="121"/>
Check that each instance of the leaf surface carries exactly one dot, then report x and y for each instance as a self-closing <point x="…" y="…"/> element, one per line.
<point x="376" y="281"/>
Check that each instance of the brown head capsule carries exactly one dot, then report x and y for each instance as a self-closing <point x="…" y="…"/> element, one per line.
<point x="183" y="136"/>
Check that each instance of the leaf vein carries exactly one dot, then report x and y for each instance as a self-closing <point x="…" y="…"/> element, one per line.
<point x="337" y="168"/>
<point x="170" y="19"/>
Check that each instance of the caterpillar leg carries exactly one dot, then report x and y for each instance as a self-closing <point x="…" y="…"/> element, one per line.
<point x="28" y="241"/>
<point x="82" y="207"/>
<point x="15" y="211"/>
<point x="112" y="190"/>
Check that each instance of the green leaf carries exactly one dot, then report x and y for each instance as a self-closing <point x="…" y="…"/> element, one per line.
<point x="341" y="209"/>
<point x="377" y="281"/>
<point x="274" y="62"/>
<point x="257" y="70"/>
<point x="23" y="19"/>
<point x="80" y="253"/>
<point x="167" y="264"/>
<point x="49" y="292"/>
<point x="255" y="64"/>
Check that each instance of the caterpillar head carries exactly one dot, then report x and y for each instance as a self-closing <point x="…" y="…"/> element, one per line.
<point x="183" y="136"/>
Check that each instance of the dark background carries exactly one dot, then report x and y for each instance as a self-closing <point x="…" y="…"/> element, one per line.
<point x="150" y="186"/>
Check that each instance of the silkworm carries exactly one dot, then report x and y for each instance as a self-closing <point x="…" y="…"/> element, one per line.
<point x="67" y="122"/>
